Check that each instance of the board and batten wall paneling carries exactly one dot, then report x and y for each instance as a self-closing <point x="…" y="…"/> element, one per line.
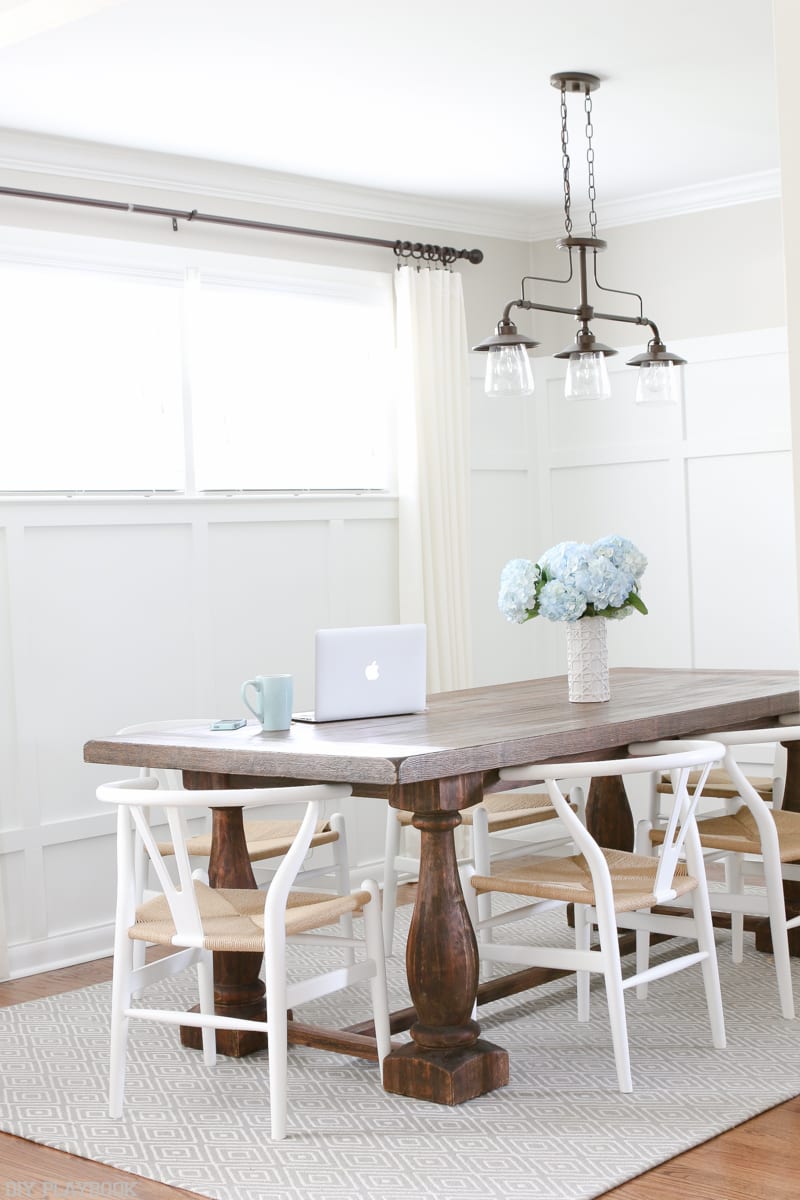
<point x="744" y="594"/>
<point x="7" y="707"/>
<point x="109" y="642"/>
<point x="271" y="585"/>
<point x="641" y="501"/>
<point x="116" y="612"/>
<point x="504" y="524"/>
<point x="265" y="602"/>
<point x="703" y="489"/>
<point x="500" y="531"/>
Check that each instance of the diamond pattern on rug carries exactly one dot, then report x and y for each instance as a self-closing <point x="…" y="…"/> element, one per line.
<point x="559" y="1131"/>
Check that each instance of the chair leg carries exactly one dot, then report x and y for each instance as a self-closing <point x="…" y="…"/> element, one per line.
<point x="704" y="932"/>
<point x="583" y="938"/>
<point x="705" y="941"/>
<point x="373" y="936"/>
<point x="780" y="938"/>
<point x="733" y="884"/>
<point x="642" y="842"/>
<point x="275" y="980"/>
<point x="481" y="859"/>
<point x="391" y="851"/>
<point x="642" y="959"/>
<point x="612" y="974"/>
<point x="341" y="858"/>
<point x="139" y="955"/>
<point x="471" y="899"/>
<point x="121" y="994"/>
<point x="205" y="991"/>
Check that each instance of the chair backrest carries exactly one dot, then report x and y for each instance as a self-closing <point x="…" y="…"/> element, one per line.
<point x="778" y="735"/>
<point x="678" y="758"/>
<point x="136" y="797"/>
<point x="787" y="730"/>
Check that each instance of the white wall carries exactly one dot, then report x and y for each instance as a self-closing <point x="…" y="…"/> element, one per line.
<point x="704" y="490"/>
<point x="786" y="25"/>
<point x="711" y="272"/>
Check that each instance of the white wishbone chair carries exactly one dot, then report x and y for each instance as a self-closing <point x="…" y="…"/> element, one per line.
<point x="759" y="835"/>
<point x="198" y="920"/>
<point x="612" y="889"/>
<point x="267" y="840"/>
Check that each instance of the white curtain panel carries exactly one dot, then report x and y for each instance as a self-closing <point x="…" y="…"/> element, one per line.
<point x="433" y="468"/>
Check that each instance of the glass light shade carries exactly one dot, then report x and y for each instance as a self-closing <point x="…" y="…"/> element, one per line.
<point x="587" y="377"/>
<point x="660" y="383"/>
<point x="508" y="372"/>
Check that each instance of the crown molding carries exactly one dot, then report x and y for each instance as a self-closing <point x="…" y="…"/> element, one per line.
<point x="120" y="167"/>
<point x="676" y="202"/>
<point x="124" y="167"/>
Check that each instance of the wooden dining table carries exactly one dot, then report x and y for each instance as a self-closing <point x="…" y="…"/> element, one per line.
<point x="434" y="764"/>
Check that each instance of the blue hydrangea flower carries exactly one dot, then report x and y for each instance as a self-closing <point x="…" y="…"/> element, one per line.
<point x="603" y="584"/>
<point x="517" y="596"/>
<point x="574" y="579"/>
<point x="565" y="560"/>
<point x="622" y="553"/>
<point x="560" y="602"/>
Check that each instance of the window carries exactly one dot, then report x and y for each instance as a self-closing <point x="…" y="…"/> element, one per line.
<point x="289" y="388"/>
<point x="90" y="381"/>
<point x="191" y="372"/>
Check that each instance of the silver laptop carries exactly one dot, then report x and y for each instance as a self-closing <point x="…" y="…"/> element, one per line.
<point x="368" y="671"/>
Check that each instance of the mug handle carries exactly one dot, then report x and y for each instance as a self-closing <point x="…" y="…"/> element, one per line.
<point x="254" y="684"/>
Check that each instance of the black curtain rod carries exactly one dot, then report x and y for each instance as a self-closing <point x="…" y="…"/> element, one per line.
<point x="418" y="250"/>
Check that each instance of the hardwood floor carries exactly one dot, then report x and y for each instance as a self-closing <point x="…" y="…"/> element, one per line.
<point x="755" y="1161"/>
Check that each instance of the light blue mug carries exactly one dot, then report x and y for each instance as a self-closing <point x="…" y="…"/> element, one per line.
<point x="273" y="700"/>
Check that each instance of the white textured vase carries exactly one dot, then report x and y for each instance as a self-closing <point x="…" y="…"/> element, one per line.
<point x="587" y="660"/>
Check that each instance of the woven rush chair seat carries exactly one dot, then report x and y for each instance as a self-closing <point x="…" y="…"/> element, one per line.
<point x="739" y="833"/>
<point x="233" y="918"/>
<point x="610" y="889"/>
<point x="265" y="839"/>
<point x="632" y="876"/>
<point x="719" y="785"/>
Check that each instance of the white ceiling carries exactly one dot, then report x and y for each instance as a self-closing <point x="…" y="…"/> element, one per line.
<point x="438" y="98"/>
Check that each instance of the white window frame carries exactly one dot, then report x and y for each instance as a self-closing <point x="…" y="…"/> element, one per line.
<point x="177" y="263"/>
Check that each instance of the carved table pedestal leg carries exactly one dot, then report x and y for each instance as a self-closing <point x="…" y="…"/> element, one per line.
<point x="238" y="990"/>
<point x="608" y="813"/>
<point x="447" y="1062"/>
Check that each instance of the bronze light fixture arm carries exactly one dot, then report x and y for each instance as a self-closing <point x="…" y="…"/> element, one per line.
<point x="508" y="371"/>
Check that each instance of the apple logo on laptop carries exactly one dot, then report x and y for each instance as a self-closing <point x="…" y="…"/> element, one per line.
<point x="372" y="670"/>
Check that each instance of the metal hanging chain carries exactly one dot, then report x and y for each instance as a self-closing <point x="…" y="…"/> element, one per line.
<point x="565" y="160"/>
<point x="587" y="104"/>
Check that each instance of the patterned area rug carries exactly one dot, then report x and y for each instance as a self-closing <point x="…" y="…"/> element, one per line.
<point x="559" y="1131"/>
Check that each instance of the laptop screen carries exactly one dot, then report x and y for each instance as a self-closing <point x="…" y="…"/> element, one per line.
<point x="368" y="671"/>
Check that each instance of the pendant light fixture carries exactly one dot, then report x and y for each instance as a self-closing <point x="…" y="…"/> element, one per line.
<point x="508" y="368"/>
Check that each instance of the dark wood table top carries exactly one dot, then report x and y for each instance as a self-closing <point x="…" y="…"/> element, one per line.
<point x="480" y="729"/>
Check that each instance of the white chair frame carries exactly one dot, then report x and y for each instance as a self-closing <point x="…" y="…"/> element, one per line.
<point x="681" y="837"/>
<point x="336" y="872"/>
<point x="735" y="900"/>
<point x="134" y="798"/>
